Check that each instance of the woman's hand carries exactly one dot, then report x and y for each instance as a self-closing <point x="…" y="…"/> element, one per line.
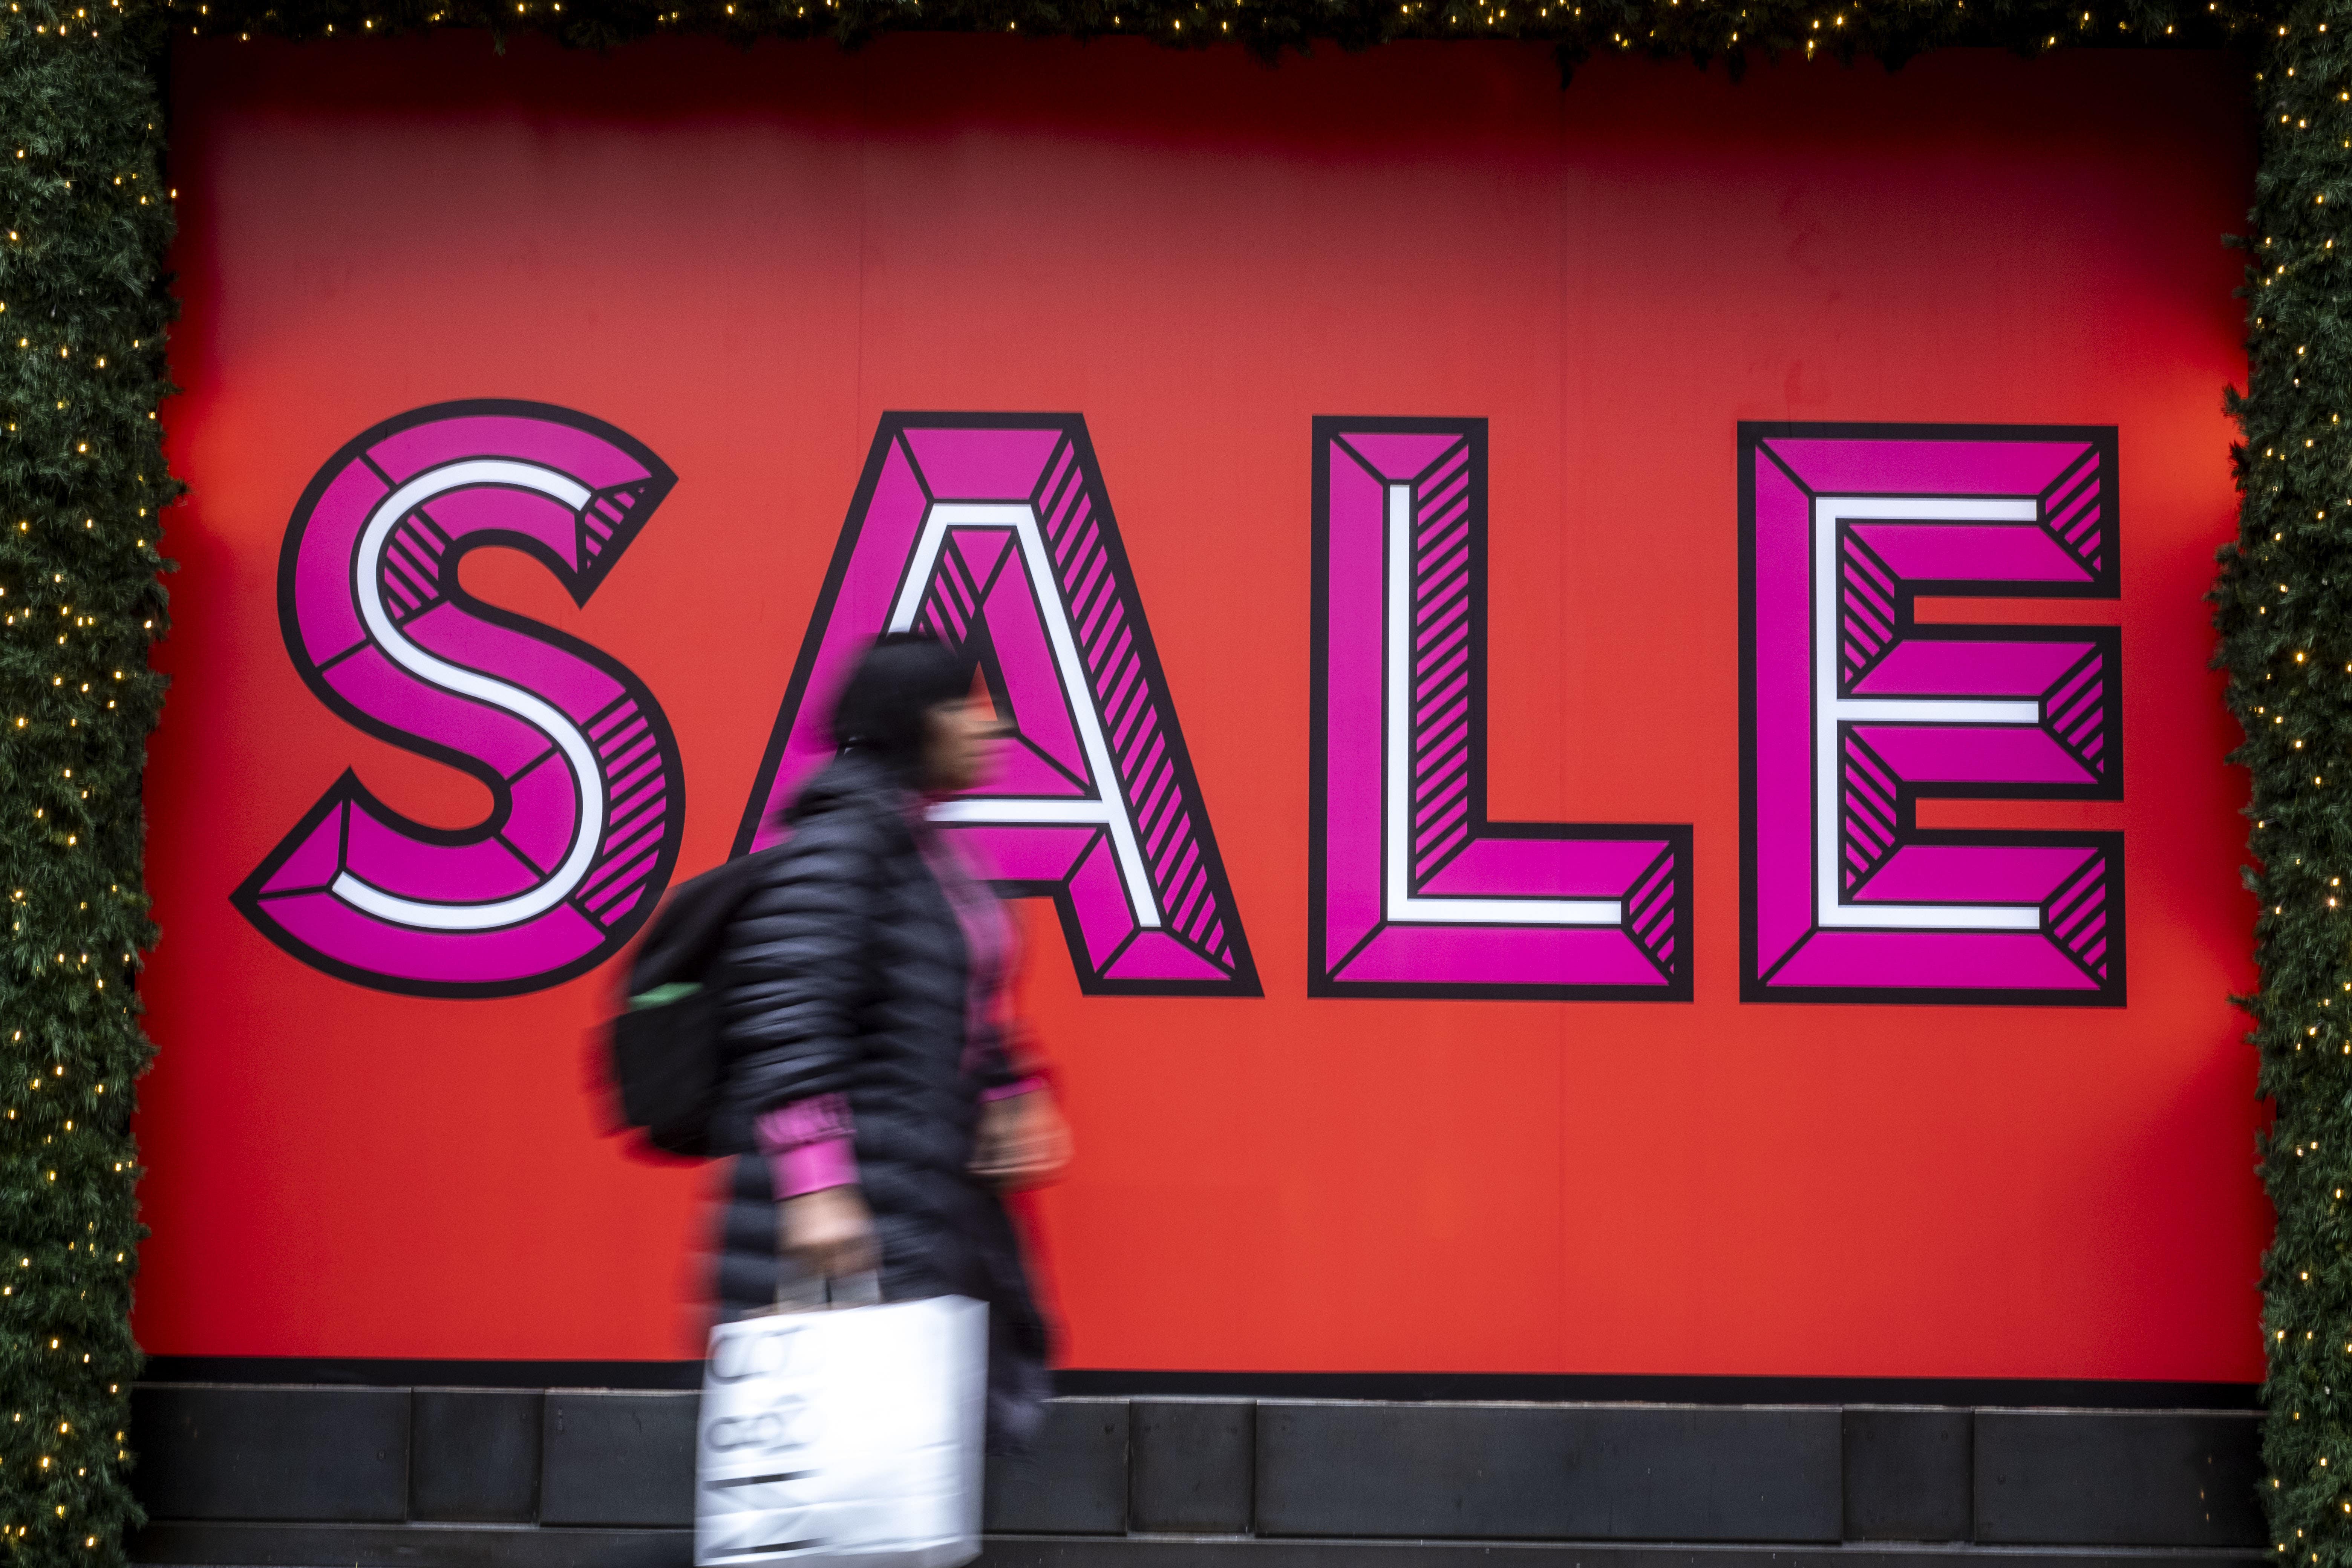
<point x="828" y="1232"/>
<point x="1022" y="1141"/>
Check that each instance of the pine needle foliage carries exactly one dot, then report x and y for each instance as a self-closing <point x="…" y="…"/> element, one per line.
<point x="2284" y="606"/>
<point x="1704" y="31"/>
<point x="84" y="221"/>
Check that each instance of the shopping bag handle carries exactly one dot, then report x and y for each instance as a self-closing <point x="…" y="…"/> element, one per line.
<point x="815" y="1293"/>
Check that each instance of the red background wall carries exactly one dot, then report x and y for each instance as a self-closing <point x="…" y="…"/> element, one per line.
<point x="744" y="258"/>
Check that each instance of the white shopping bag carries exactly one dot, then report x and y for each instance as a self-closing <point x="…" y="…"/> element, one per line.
<point x="850" y="1436"/>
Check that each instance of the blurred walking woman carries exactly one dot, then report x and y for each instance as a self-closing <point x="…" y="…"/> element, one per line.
<point x="871" y="1057"/>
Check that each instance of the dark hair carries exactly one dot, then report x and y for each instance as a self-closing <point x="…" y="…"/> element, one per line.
<point x="884" y="711"/>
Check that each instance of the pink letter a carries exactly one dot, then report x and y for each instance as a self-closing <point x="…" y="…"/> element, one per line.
<point x="993" y="532"/>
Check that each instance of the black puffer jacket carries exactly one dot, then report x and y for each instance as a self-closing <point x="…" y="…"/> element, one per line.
<point x="845" y="973"/>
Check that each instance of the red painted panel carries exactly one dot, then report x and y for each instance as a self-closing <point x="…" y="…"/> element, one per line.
<point x="743" y="257"/>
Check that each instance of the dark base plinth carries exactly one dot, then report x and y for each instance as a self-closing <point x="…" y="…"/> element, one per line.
<point x="307" y="1475"/>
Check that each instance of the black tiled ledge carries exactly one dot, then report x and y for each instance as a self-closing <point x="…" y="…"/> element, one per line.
<point x="410" y="1546"/>
<point x="295" y="1475"/>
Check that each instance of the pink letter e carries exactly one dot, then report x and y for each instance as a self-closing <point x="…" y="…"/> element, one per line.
<point x="1854" y="711"/>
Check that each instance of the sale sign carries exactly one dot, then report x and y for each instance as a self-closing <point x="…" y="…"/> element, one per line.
<point x="1607" y="689"/>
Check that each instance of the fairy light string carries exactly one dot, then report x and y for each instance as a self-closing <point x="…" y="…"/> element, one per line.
<point x="2280" y="605"/>
<point x="1732" y="31"/>
<point x="83" y="486"/>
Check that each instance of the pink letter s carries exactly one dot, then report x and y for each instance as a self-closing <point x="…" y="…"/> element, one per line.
<point x="584" y="775"/>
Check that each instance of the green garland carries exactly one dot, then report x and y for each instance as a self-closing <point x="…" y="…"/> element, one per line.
<point x="1702" y="30"/>
<point x="83" y="319"/>
<point x="83" y="311"/>
<point x="2284" y="610"/>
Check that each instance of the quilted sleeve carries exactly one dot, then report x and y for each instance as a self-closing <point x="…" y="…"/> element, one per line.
<point x="798" y="957"/>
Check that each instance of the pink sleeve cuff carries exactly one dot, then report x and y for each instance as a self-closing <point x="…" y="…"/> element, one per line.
<point x="808" y="1145"/>
<point x="1029" y="1085"/>
<point x="813" y="1167"/>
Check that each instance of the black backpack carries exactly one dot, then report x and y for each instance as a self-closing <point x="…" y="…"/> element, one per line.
<point x="667" y="1057"/>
